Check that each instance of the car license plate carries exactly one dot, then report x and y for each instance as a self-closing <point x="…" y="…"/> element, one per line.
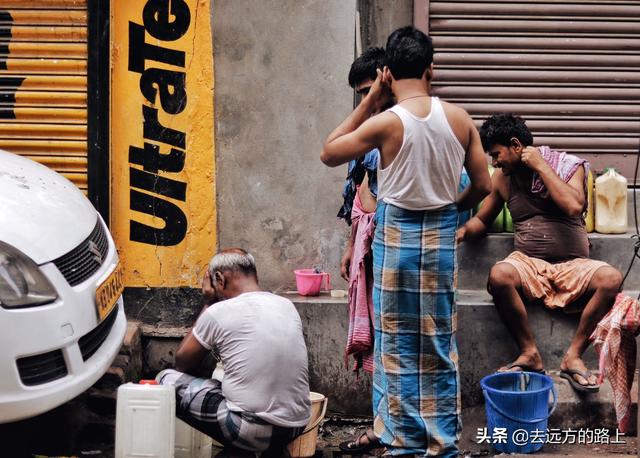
<point x="109" y="291"/>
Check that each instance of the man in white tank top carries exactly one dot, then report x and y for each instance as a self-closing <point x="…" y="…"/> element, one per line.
<point x="423" y="144"/>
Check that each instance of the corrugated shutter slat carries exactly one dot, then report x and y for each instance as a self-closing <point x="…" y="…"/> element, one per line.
<point x="43" y="83"/>
<point x="560" y="9"/>
<point x="571" y="69"/>
<point x="45" y="4"/>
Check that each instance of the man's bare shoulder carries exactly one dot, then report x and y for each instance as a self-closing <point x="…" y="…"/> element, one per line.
<point x="384" y="122"/>
<point x="384" y="117"/>
<point x="460" y="122"/>
<point x="454" y="110"/>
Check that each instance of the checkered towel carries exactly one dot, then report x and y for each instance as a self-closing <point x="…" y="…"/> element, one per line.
<point x="615" y="342"/>
<point x="565" y="165"/>
<point x="360" y="337"/>
<point x="416" y="389"/>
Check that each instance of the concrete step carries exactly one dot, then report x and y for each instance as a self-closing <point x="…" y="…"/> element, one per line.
<point x="484" y="343"/>
<point x="475" y="259"/>
<point x="325" y="322"/>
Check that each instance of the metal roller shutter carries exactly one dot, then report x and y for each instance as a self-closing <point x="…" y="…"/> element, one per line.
<point x="43" y="83"/>
<point x="570" y="68"/>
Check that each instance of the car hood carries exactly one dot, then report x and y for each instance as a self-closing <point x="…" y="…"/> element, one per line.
<point x="41" y="213"/>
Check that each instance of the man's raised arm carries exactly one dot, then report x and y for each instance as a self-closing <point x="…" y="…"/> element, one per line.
<point x="359" y="133"/>
<point x="569" y="197"/>
<point x="490" y="209"/>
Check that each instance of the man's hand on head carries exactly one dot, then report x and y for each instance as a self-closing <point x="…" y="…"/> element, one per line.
<point x="208" y="292"/>
<point x="531" y="158"/>
<point x="380" y="93"/>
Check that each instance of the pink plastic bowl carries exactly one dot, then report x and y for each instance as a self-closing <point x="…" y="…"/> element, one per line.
<point x="309" y="282"/>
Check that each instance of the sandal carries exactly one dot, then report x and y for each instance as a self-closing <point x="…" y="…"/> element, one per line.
<point x="357" y="447"/>
<point x="568" y="374"/>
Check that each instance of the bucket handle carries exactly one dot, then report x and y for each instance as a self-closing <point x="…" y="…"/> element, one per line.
<point x="522" y="420"/>
<point x="326" y="278"/>
<point x="320" y="417"/>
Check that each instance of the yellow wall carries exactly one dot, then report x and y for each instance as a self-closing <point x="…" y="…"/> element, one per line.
<point x="162" y="148"/>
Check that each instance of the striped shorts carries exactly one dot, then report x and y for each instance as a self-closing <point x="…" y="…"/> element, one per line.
<point x="201" y="404"/>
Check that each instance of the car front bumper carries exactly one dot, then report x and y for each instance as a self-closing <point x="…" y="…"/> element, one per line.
<point x="58" y="328"/>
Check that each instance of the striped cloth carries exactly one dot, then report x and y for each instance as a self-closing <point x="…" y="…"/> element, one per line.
<point x="615" y="342"/>
<point x="565" y="165"/>
<point x="360" y="336"/>
<point x="201" y="404"/>
<point x="416" y="391"/>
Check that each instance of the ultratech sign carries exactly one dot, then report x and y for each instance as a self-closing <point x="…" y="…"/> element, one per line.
<point x="169" y="87"/>
<point x="163" y="209"/>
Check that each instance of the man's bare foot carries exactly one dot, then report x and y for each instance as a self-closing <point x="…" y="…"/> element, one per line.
<point x="530" y="361"/>
<point x="571" y="363"/>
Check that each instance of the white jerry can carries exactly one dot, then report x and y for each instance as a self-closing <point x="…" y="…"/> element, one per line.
<point x="611" y="203"/>
<point x="191" y="443"/>
<point x="145" y="420"/>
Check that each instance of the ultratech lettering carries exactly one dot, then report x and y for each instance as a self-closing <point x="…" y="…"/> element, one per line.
<point x="164" y="20"/>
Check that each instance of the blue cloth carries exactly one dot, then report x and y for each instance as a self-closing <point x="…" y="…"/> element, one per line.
<point x="357" y="168"/>
<point x="465" y="215"/>
<point x="416" y="390"/>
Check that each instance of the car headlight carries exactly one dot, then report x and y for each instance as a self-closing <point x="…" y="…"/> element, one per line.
<point x="22" y="284"/>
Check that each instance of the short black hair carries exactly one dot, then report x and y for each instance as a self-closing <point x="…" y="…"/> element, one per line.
<point x="409" y="53"/>
<point x="364" y="67"/>
<point x="500" y="128"/>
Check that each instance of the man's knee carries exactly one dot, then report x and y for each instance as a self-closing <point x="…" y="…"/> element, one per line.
<point x="168" y="376"/>
<point x="502" y="277"/>
<point x="607" y="280"/>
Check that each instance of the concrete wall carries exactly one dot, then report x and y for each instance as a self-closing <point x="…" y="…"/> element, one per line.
<point x="378" y="18"/>
<point x="280" y="88"/>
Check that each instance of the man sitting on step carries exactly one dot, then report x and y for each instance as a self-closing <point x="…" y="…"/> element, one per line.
<point x="263" y="401"/>
<point x="546" y="194"/>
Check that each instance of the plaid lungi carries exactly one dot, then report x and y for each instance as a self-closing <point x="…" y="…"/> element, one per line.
<point x="416" y="391"/>
<point x="200" y="403"/>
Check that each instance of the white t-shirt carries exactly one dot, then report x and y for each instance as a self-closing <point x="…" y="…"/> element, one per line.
<point x="259" y="338"/>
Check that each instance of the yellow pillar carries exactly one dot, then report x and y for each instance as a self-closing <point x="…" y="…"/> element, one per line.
<point x="163" y="213"/>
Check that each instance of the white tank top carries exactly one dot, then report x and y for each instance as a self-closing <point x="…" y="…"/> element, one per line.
<point x="425" y="174"/>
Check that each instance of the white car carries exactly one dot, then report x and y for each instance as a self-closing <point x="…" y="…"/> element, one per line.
<point x="61" y="312"/>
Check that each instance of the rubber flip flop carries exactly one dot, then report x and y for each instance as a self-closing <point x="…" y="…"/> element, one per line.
<point x="523" y="368"/>
<point x="356" y="447"/>
<point x="568" y="376"/>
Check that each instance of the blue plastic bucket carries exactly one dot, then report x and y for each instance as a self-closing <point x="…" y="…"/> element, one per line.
<point x="518" y="402"/>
